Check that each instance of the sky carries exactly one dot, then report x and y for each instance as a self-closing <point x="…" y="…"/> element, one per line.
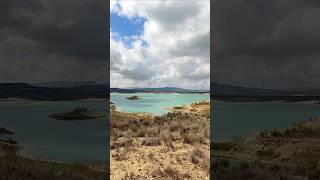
<point x="160" y="43"/>
<point x="266" y="44"/>
<point x="164" y="43"/>
<point x="50" y="40"/>
<point x="256" y="43"/>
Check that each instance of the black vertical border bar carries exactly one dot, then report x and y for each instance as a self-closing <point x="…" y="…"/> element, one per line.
<point x="211" y="81"/>
<point x="107" y="26"/>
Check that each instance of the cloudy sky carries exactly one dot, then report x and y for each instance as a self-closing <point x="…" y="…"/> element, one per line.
<point x="268" y="44"/>
<point x="160" y="43"/>
<point x="48" y="40"/>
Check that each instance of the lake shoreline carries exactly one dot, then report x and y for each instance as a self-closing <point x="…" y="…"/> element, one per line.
<point x="288" y="152"/>
<point x="44" y="138"/>
<point x="157" y="104"/>
<point x="248" y="118"/>
<point x="22" y="167"/>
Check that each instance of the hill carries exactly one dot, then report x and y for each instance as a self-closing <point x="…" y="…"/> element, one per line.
<point x="237" y="93"/>
<point x="64" y="83"/>
<point x="157" y="90"/>
<point x="27" y="91"/>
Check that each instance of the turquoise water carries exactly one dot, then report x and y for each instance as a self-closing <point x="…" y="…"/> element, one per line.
<point x="153" y="103"/>
<point x="86" y="141"/>
<point x="50" y="139"/>
<point x="233" y="119"/>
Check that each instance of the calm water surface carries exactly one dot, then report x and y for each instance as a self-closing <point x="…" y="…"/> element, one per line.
<point x="153" y="103"/>
<point x="233" y="119"/>
<point x="50" y="139"/>
<point x="85" y="141"/>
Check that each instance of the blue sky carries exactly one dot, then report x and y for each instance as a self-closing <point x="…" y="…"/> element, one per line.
<point x="126" y="27"/>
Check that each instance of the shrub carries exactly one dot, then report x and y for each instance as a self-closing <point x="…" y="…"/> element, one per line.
<point x="151" y="141"/>
<point x="222" y="146"/>
<point x="268" y="154"/>
<point x="171" y="173"/>
<point x="244" y="165"/>
<point x="123" y="142"/>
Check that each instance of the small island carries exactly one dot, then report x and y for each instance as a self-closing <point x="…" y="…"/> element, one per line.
<point x="77" y="114"/>
<point x="134" y="98"/>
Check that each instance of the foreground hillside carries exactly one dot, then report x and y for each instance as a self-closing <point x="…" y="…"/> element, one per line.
<point x="291" y="153"/>
<point x="19" y="168"/>
<point x="172" y="146"/>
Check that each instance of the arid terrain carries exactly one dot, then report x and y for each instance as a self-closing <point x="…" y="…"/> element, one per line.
<point x="173" y="146"/>
<point x="291" y="153"/>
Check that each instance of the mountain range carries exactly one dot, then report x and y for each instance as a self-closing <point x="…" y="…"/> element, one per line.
<point x="227" y="92"/>
<point x="27" y="91"/>
<point x="64" y="83"/>
<point x="157" y="90"/>
<point x="65" y="90"/>
<point x="225" y="89"/>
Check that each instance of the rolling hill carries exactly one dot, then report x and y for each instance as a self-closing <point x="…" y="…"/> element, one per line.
<point x="27" y="91"/>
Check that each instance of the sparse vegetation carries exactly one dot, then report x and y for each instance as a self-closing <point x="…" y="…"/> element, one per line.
<point x="261" y="170"/>
<point x="226" y="146"/>
<point x="18" y="168"/>
<point x="267" y="154"/>
<point x="291" y="153"/>
<point x="179" y="138"/>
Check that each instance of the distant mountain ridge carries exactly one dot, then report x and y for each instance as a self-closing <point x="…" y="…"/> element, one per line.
<point x="64" y="83"/>
<point x="225" y="89"/>
<point x="75" y="90"/>
<point x="27" y="91"/>
<point x="157" y="90"/>
<point x="81" y="90"/>
<point x="226" y="92"/>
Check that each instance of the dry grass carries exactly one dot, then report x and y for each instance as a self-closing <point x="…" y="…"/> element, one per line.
<point x="291" y="153"/>
<point x="199" y="157"/>
<point x="176" y="139"/>
<point x="18" y="168"/>
<point x="261" y="170"/>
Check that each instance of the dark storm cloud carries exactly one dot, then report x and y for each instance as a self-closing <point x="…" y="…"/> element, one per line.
<point x="73" y="34"/>
<point x="18" y="13"/>
<point x="274" y="44"/>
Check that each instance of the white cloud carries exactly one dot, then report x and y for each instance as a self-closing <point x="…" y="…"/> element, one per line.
<point x="178" y="51"/>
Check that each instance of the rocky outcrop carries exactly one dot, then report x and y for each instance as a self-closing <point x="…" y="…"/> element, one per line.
<point x="8" y="145"/>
